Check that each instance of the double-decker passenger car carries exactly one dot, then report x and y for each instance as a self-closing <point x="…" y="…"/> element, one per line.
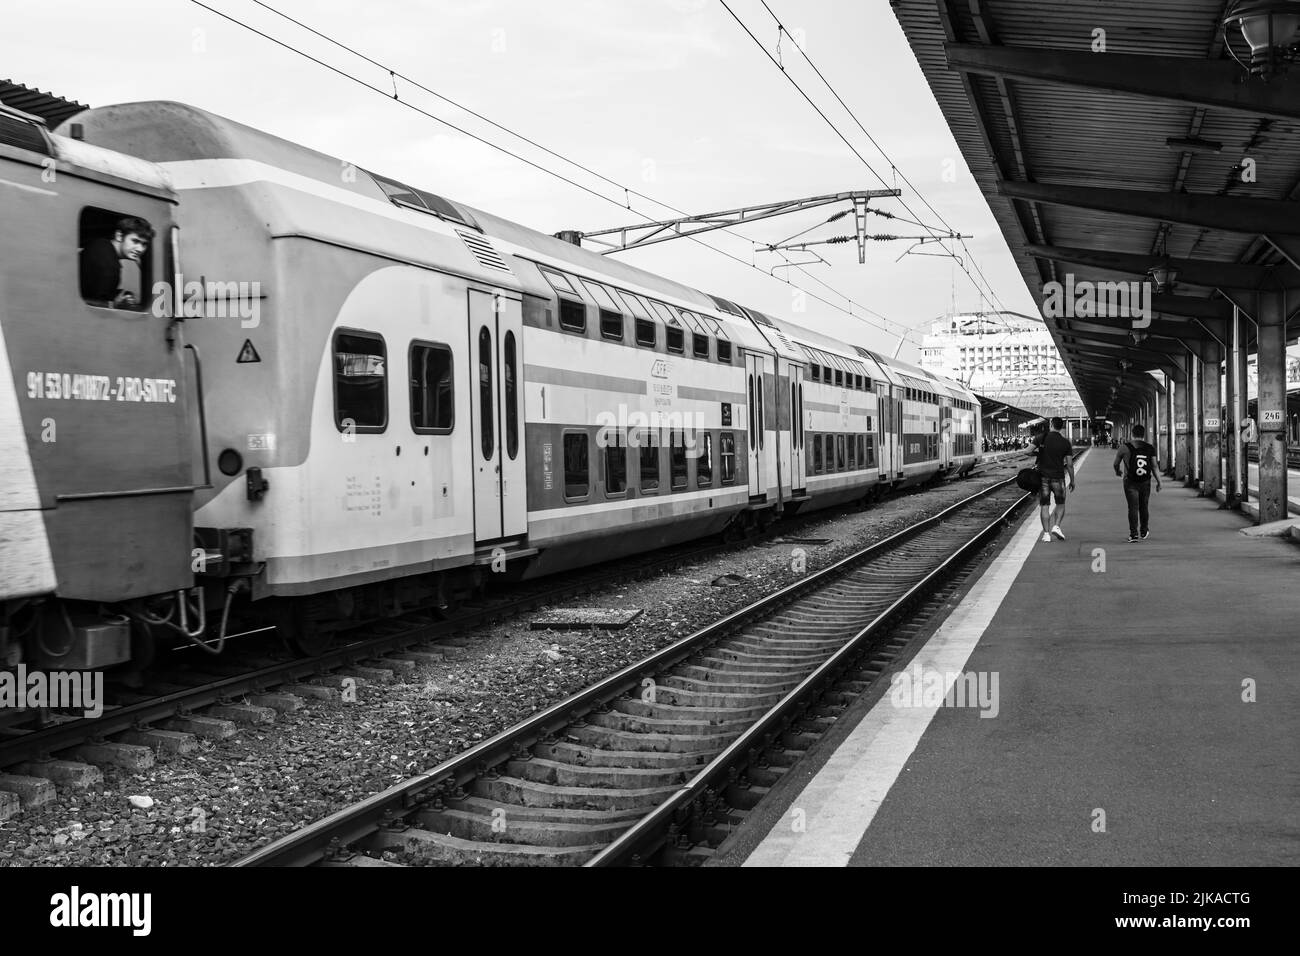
<point x="404" y="394"/>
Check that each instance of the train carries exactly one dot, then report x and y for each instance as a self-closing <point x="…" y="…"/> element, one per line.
<point x="322" y="397"/>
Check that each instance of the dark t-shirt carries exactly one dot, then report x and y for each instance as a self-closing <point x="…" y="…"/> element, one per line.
<point x="100" y="271"/>
<point x="1053" y="452"/>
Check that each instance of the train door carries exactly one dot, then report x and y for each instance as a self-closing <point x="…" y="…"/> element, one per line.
<point x="946" y="436"/>
<point x="884" y="437"/>
<point x="754" y="395"/>
<point x="793" y="441"/>
<point x="496" y="409"/>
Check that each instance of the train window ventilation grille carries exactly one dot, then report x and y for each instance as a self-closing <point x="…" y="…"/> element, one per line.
<point x="24" y="135"/>
<point x="483" y="251"/>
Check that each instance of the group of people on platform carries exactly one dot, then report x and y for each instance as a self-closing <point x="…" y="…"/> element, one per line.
<point x="1136" y="463"/>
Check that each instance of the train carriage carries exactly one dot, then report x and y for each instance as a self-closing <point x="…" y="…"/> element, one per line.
<point x="405" y="394"/>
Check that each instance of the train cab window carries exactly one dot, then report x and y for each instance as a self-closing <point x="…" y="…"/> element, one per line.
<point x="727" y="453"/>
<point x="675" y="339"/>
<point x="611" y="325"/>
<point x="573" y="315"/>
<point x="577" y="475"/>
<point x="510" y="380"/>
<point x="839" y="452"/>
<point x="724" y="351"/>
<point x="704" y="461"/>
<point x="645" y="333"/>
<point x="114" y="260"/>
<point x="677" y="459"/>
<point x="700" y="345"/>
<point x="432" y="392"/>
<point x="360" y="390"/>
<point x="649" y="442"/>
<point x="818" y="466"/>
<point x="616" y="464"/>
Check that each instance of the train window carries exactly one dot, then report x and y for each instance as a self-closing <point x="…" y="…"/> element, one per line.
<point x="704" y="461"/>
<point x="839" y="452"/>
<point x="635" y="304"/>
<point x="645" y="333"/>
<point x="817" y="455"/>
<point x="862" y="450"/>
<point x="750" y="410"/>
<point x="511" y="382"/>
<point x="611" y="325"/>
<point x="576" y="471"/>
<point x="487" y="437"/>
<point x="115" y="259"/>
<point x="853" y="456"/>
<point x="677" y="458"/>
<point x="432" y="394"/>
<point x="816" y="373"/>
<point x="649" y="442"/>
<point x="675" y="339"/>
<point x="724" y="351"/>
<point x="801" y="414"/>
<point x="727" y="452"/>
<point x="615" y="464"/>
<point x="559" y="282"/>
<point x="700" y="345"/>
<point x="866" y="383"/>
<point x="573" y="315"/>
<point x="826" y="374"/>
<point x="868" y="452"/>
<point x="604" y="297"/>
<point x="857" y="382"/>
<point x="839" y="377"/>
<point x="360" y="393"/>
<point x="762" y="422"/>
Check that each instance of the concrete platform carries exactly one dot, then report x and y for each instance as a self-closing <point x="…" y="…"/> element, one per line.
<point x="1118" y="733"/>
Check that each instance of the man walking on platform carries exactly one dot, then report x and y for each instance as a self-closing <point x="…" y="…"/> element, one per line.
<point x="1055" y="460"/>
<point x="1137" y="459"/>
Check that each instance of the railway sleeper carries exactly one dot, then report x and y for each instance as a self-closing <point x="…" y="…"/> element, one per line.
<point x="607" y="738"/>
<point x="532" y="793"/>
<point x="572" y="753"/>
<point x="560" y="774"/>
<point x="501" y="826"/>
<point x="714" y="713"/>
<point x="689" y="729"/>
<point x="427" y="848"/>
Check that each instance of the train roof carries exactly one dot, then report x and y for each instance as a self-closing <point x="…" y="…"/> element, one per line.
<point x="196" y="149"/>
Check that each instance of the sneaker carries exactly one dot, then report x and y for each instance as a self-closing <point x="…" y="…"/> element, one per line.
<point x="1132" y="538"/>
<point x="1058" y="532"/>
<point x="1145" y="535"/>
<point x="1047" y="537"/>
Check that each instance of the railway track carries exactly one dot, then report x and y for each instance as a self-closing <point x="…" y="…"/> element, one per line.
<point x="638" y="767"/>
<point x="220" y="682"/>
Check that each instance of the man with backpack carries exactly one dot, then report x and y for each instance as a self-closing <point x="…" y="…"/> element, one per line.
<point x="1055" y="460"/>
<point x="1137" y="459"/>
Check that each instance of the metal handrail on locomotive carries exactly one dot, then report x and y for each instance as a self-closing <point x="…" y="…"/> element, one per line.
<point x="401" y="396"/>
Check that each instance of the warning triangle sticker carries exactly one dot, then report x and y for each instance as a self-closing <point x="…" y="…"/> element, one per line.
<point x="248" y="353"/>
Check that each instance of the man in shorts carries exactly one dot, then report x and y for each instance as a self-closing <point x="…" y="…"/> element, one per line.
<point x="1055" y="461"/>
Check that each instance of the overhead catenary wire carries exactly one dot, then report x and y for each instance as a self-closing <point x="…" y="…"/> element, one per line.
<point x="622" y="204"/>
<point x="893" y="167"/>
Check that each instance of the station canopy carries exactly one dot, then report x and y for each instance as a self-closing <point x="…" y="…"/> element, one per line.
<point x="1125" y="142"/>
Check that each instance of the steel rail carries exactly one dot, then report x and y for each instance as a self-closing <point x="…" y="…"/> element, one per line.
<point x="346" y="826"/>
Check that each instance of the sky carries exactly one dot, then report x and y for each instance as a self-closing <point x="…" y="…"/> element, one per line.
<point x="669" y="98"/>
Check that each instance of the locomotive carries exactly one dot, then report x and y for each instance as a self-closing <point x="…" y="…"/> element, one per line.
<point x="337" y="397"/>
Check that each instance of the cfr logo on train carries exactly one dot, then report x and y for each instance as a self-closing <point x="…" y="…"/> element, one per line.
<point x="659" y="369"/>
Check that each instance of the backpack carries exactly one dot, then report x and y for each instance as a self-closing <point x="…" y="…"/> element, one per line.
<point x="1030" y="479"/>
<point x="1140" y="464"/>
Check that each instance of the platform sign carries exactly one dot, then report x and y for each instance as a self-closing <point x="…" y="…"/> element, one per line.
<point x="1211" y="423"/>
<point x="1271" y="416"/>
<point x="1180" y="428"/>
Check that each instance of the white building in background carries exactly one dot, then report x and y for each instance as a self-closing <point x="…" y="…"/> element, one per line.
<point x="1005" y="356"/>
